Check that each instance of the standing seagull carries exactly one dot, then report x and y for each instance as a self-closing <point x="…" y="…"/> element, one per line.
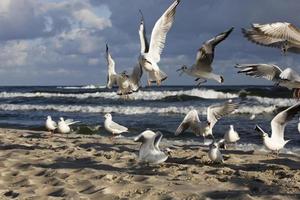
<point x="50" y="124"/>
<point x="202" y="69"/>
<point x="64" y="125"/>
<point x="231" y="136"/>
<point x="214" y="152"/>
<point x="151" y="56"/>
<point x="276" y="141"/>
<point x="127" y="84"/>
<point x="214" y="113"/>
<point x="282" y="35"/>
<point x="112" y="126"/>
<point x="149" y="151"/>
<point x="288" y="78"/>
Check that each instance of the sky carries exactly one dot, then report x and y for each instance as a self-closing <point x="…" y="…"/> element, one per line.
<point x="62" y="42"/>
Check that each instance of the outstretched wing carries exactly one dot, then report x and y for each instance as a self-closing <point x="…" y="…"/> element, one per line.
<point x="70" y="121"/>
<point x="142" y="34"/>
<point x="268" y="71"/>
<point x="205" y="54"/>
<point x="190" y="120"/>
<point x="280" y="120"/>
<point x="160" y="30"/>
<point x="217" y="111"/>
<point x="111" y="75"/>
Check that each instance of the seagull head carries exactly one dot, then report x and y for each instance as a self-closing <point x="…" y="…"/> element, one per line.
<point x="124" y="74"/>
<point x="49" y="117"/>
<point x="144" y="136"/>
<point x="107" y="116"/>
<point x="284" y="47"/>
<point x="182" y="69"/>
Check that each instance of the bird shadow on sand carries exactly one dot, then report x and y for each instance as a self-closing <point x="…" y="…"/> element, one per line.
<point x="88" y="163"/>
<point x="292" y="164"/>
<point x="108" y="147"/>
<point x="4" y="146"/>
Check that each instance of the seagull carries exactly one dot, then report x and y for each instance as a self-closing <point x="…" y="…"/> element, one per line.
<point x="112" y="126"/>
<point x="214" y="152"/>
<point x="64" y="125"/>
<point x="299" y="126"/>
<point x="149" y="151"/>
<point x="202" y="69"/>
<point x="288" y="78"/>
<point x="231" y="136"/>
<point x="276" y="142"/>
<point x="127" y="84"/>
<point x="282" y="35"/>
<point x="50" y="124"/>
<point x="214" y="113"/>
<point x="150" y="54"/>
<point x="252" y="117"/>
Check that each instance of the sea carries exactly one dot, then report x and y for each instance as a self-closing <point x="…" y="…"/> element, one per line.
<point x="155" y="108"/>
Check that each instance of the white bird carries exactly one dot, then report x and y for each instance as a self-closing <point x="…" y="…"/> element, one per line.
<point x="252" y="117"/>
<point x="64" y="125"/>
<point x="127" y="84"/>
<point x="276" y="142"/>
<point x="50" y="124"/>
<point x="150" y="57"/>
<point x="282" y="35"/>
<point x="112" y="126"/>
<point x="299" y="126"/>
<point x="214" y="152"/>
<point x="202" y="69"/>
<point x="231" y="136"/>
<point x="288" y="78"/>
<point x="214" y="113"/>
<point x="149" y="150"/>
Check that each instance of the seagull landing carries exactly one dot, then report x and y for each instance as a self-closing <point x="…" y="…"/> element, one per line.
<point x="288" y="78"/>
<point x="282" y="35"/>
<point x="50" y="124"/>
<point x="64" y="125"/>
<point x="112" y="126"/>
<point x="276" y="142"/>
<point x="149" y="151"/>
<point x="150" y="54"/>
<point x="127" y="84"/>
<point x="214" y="113"/>
<point x="202" y="69"/>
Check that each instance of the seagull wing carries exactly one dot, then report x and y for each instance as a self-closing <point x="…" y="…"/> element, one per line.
<point x="258" y="37"/>
<point x="157" y="140"/>
<point x="280" y="120"/>
<point x="267" y="71"/>
<point x="142" y="34"/>
<point x="135" y="77"/>
<point x="70" y="121"/>
<point x="217" y="111"/>
<point x="190" y="120"/>
<point x="112" y="75"/>
<point x="205" y="54"/>
<point x="283" y="30"/>
<point x="54" y="123"/>
<point x="114" y="125"/>
<point x="160" y="30"/>
<point x="290" y="74"/>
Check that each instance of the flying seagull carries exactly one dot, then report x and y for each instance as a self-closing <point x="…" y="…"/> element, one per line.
<point x="276" y="142"/>
<point x="150" y="54"/>
<point x="50" y="124"/>
<point x="282" y="35"/>
<point x="288" y="78"/>
<point x="202" y="69"/>
<point x="214" y="113"/>
<point x="112" y="126"/>
<point x="149" y="151"/>
<point x="64" y="125"/>
<point x="127" y="84"/>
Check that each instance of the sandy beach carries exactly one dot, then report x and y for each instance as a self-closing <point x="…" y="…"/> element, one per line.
<point x="37" y="165"/>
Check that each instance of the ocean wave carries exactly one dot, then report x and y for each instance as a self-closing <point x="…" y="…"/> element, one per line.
<point x="141" y="95"/>
<point x="82" y="87"/>
<point x="281" y="102"/>
<point x="130" y="110"/>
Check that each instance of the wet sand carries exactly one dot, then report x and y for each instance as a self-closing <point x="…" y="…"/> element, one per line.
<point x="37" y="165"/>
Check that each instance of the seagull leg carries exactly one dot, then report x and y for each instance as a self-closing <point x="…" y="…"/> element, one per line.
<point x="197" y="79"/>
<point x="201" y="82"/>
<point x="158" y="82"/>
<point x="149" y="83"/>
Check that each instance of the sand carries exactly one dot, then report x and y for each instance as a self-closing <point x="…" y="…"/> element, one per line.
<point x="37" y="165"/>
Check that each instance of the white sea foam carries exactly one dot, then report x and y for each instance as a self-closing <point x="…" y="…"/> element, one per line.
<point x="83" y="87"/>
<point x="282" y="102"/>
<point x="130" y="110"/>
<point x="141" y="95"/>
